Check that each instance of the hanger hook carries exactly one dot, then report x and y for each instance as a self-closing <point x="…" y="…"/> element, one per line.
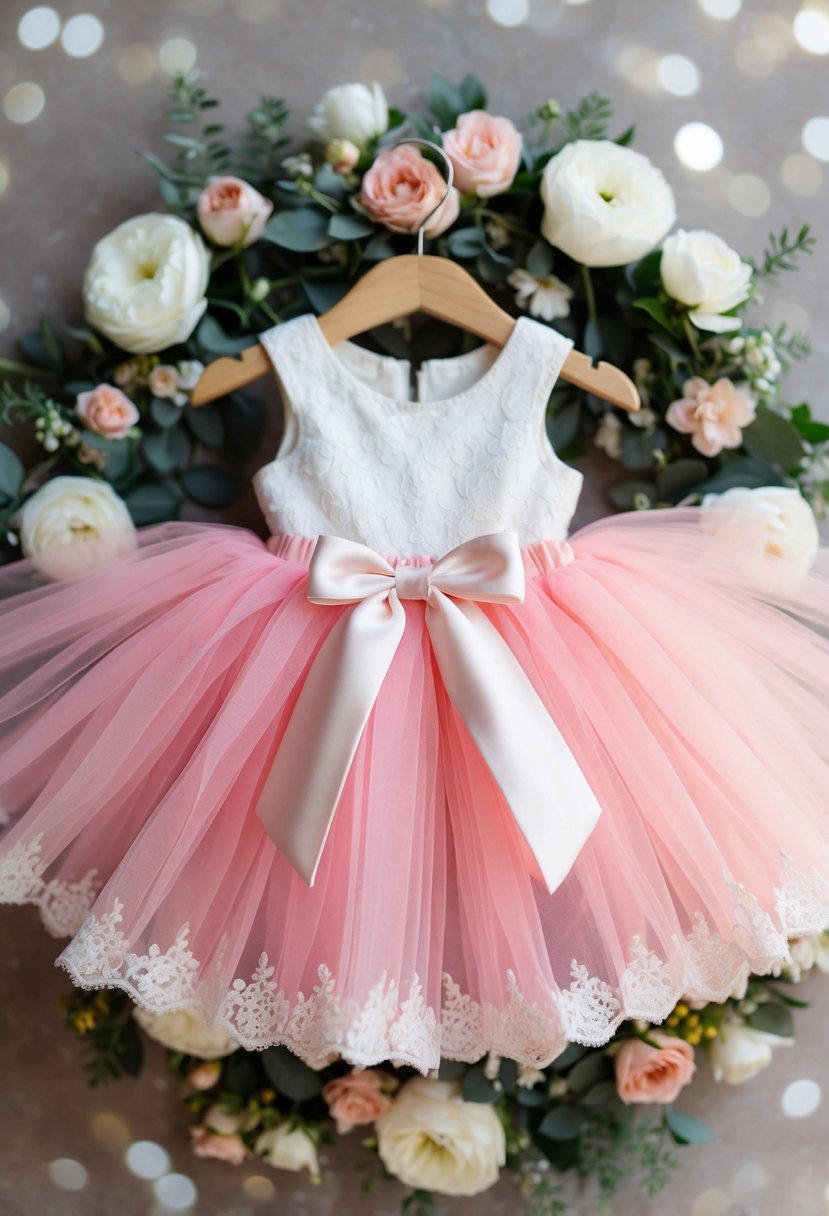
<point x="450" y="176"/>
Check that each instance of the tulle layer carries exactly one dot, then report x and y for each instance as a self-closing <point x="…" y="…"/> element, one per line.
<point x="143" y="701"/>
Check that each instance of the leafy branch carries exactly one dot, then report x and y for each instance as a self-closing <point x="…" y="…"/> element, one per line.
<point x="781" y="252"/>
<point x="589" y="120"/>
<point x="201" y="153"/>
<point x="263" y="142"/>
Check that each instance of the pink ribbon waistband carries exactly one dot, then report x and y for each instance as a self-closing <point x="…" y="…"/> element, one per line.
<point x="546" y="791"/>
<point x="539" y="557"/>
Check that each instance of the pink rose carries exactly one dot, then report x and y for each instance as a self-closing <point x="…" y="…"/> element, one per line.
<point x="231" y="212"/>
<point x="205" y="1143"/>
<point x="485" y="152"/>
<point x="359" y="1098"/>
<point x="654" y="1074"/>
<point x="402" y="187"/>
<point x="713" y="414"/>
<point x="107" y="411"/>
<point x="205" y="1075"/>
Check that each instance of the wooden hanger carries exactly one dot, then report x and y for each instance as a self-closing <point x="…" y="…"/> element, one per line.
<point x="409" y="283"/>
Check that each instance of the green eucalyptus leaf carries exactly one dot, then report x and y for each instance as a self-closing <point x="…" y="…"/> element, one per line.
<point x="349" y="227"/>
<point x="563" y="426"/>
<point x="655" y="309"/>
<point x="379" y="247"/>
<point x="744" y="471"/>
<point x="508" y="1076"/>
<point x="166" y="450"/>
<point x="466" y="242"/>
<point x="451" y="1070"/>
<point x="685" y="1129"/>
<point x="323" y="294"/>
<point x="244" y="420"/>
<point x="215" y="341"/>
<point x="303" y="230"/>
<point x="205" y="422"/>
<point x="444" y="100"/>
<point x="472" y="93"/>
<point x="563" y="1123"/>
<point x="477" y="1087"/>
<point x="242" y="1073"/>
<point x="773" y="1019"/>
<point x="774" y="439"/>
<point x="645" y="275"/>
<point x="568" y="1057"/>
<point x="638" y="446"/>
<point x="289" y="1075"/>
<point x="809" y="427"/>
<point x="164" y="412"/>
<point x="150" y="504"/>
<point x="531" y="1097"/>
<point x="592" y="1068"/>
<point x="491" y="267"/>
<point x="328" y="181"/>
<point x="211" y="486"/>
<point x="540" y="258"/>
<point x="131" y="1048"/>
<point x="679" y="478"/>
<point x="624" y="492"/>
<point x="12" y="472"/>
<point x="604" y="1093"/>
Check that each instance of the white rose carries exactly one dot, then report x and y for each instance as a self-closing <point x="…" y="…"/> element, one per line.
<point x="609" y="435"/>
<point x="289" y="1150"/>
<point x="351" y="111"/>
<point x="806" y="953"/>
<point x="771" y="522"/>
<point x="73" y="524"/>
<point x="700" y="270"/>
<point x="604" y="205"/>
<point x="145" y="284"/>
<point x="186" y="1030"/>
<point x="739" y="1052"/>
<point x="433" y="1140"/>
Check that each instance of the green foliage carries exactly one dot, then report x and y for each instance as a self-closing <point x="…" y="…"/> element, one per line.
<point x="263" y="143"/>
<point x="446" y="101"/>
<point x="783" y="251"/>
<point x="201" y="150"/>
<point x="103" y="1020"/>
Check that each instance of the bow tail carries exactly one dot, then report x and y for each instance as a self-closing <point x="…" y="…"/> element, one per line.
<point x="549" y="796"/>
<point x="300" y="795"/>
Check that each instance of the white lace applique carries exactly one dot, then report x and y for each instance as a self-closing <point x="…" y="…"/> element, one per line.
<point x="414" y="477"/>
<point x="322" y="1025"/>
<point x="590" y="1009"/>
<point x="647" y="985"/>
<point x="63" y="905"/>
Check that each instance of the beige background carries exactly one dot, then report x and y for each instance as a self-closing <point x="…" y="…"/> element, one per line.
<point x="72" y="173"/>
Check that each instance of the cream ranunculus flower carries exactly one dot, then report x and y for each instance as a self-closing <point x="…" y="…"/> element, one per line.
<point x="351" y="111"/>
<point x="73" y="524"/>
<point x="604" y="205"/>
<point x="186" y="1030"/>
<point x="739" y="1052"/>
<point x="433" y="1140"/>
<point x="700" y="270"/>
<point x="145" y="284"/>
<point x="770" y="522"/>
<point x="287" y="1149"/>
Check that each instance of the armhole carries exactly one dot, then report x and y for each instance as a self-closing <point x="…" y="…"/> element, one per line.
<point x="559" y="349"/>
<point x="291" y="428"/>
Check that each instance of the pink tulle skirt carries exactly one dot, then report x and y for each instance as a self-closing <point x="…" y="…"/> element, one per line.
<point x="142" y="703"/>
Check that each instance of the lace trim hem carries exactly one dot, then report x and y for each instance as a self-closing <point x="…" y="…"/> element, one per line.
<point x="397" y="1024"/>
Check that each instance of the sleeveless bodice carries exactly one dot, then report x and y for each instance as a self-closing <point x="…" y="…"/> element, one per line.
<point x="469" y="455"/>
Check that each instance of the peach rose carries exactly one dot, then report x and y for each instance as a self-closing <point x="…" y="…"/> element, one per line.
<point x="359" y="1098"/>
<point x="231" y="212"/>
<point x="713" y="414"/>
<point x="402" y="187"/>
<point x="205" y="1075"/>
<point x="205" y="1143"/>
<point x="107" y="411"/>
<point x="485" y="152"/>
<point x="650" y="1074"/>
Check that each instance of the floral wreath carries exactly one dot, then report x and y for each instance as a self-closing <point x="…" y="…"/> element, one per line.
<point x="562" y="221"/>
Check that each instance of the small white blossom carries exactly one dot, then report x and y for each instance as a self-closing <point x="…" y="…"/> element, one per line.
<point x="528" y="1077"/>
<point x="544" y="295"/>
<point x="298" y="166"/>
<point x="608" y="437"/>
<point x="189" y="372"/>
<point x="497" y="234"/>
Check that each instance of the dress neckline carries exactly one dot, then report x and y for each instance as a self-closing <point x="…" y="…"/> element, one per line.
<point x="490" y="375"/>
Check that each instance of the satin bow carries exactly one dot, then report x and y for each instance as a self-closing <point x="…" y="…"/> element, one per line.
<point x="547" y="793"/>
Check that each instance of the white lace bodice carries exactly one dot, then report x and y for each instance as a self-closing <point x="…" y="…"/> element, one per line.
<point x="469" y="455"/>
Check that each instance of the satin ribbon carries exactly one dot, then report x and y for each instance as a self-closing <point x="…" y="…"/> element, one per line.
<point x="544" y="787"/>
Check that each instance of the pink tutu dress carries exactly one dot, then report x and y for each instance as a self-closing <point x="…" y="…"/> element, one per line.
<point x="422" y="775"/>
